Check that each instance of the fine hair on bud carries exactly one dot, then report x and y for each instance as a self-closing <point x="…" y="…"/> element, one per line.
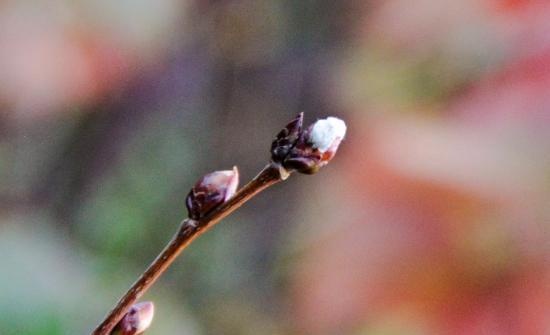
<point x="325" y="133"/>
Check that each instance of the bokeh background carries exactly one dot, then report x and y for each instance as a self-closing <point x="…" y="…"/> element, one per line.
<point x="434" y="217"/>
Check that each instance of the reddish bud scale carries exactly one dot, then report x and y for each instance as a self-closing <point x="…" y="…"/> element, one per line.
<point x="210" y="191"/>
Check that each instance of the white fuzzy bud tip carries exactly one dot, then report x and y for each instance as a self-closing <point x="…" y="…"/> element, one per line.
<point x="326" y="131"/>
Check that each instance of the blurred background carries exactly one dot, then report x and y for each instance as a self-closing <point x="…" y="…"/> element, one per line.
<point x="434" y="217"/>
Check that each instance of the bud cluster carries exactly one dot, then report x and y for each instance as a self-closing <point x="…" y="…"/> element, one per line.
<point x="294" y="148"/>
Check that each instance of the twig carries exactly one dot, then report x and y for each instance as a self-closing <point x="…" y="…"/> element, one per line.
<point x="188" y="231"/>
<point x="212" y="199"/>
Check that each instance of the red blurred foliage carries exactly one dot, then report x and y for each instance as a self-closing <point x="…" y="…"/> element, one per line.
<point x="516" y="93"/>
<point x="433" y="243"/>
<point x="426" y="248"/>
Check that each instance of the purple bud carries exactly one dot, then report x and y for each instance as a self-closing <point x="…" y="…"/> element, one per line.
<point x="210" y="191"/>
<point x="137" y="320"/>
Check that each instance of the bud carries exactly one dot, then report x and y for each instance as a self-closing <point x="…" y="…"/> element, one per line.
<point x="312" y="149"/>
<point x="210" y="191"/>
<point x="137" y="320"/>
<point x="326" y="135"/>
<point x="287" y="138"/>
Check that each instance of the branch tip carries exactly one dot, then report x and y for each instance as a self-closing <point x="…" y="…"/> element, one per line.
<point x="307" y="150"/>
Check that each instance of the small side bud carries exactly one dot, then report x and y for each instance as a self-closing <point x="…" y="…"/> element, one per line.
<point x="137" y="320"/>
<point x="210" y="191"/>
<point x="313" y="148"/>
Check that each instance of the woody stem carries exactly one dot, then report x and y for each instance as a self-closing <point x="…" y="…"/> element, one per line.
<point x="188" y="231"/>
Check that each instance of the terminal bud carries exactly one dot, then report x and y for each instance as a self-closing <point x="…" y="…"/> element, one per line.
<point x="308" y="150"/>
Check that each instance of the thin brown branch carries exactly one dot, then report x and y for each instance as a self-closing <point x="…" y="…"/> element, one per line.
<point x="188" y="231"/>
<point x="294" y="149"/>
